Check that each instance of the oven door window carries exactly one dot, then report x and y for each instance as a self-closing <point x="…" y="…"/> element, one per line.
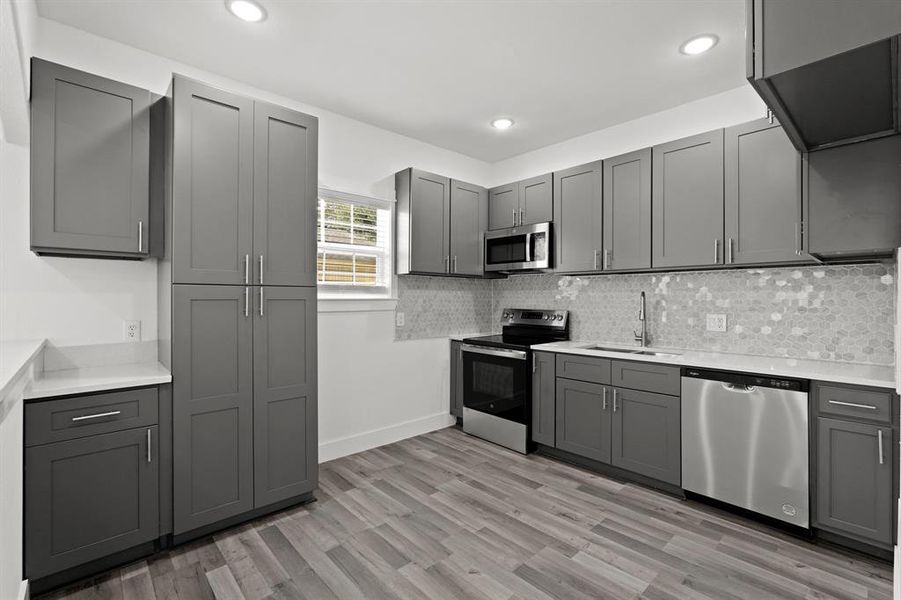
<point x="505" y="250"/>
<point x="496" y="385"/>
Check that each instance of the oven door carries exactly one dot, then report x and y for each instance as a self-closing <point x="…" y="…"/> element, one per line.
<point x="496" y="381"/>
<point x="518" y="248"/>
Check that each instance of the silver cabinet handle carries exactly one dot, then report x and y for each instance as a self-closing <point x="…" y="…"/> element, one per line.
<point x="881" y="453"/>
<point x="246" y="301"/>
<point x="729" y="258"/>
<point x="111" y="413"/>
<point x="595" y="260"/>
<point x="455" y="264"/>
<point x="798" y="239"/>
<point x="716" y="251"/>
<point x="246" y="269"/>
<point x="853" y="404"/>
<point x="149" y="455"/>
<point x="604" y="401"/>
<point x="261" y="301"/>
<point x="261" y="269"/>
<point x="770" y="115"/>
<point x="140" y="236"/>
<point x="522" y="213"/>
<point x="447" y="264"/>
<point x="605" y="264"/>
<point x="534" y="363"/>
<point x="614" y="399"/>
<point x="514" y="217"/>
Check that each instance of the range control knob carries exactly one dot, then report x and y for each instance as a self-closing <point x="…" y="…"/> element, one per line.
<point x="546" y="317"/>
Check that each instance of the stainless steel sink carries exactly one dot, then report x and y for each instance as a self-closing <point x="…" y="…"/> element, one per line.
<point x="605" y="349"/>
<point x="633" y="351"/>
<point x="654" y="353"/>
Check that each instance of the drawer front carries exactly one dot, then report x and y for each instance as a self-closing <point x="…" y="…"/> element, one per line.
<point x="872" y="405"/>
<point x="647" y="377"/>
<point x="583" y="368"/>
<point x="81" y="416"/>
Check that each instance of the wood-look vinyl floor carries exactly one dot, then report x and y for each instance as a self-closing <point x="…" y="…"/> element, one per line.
<point x="445" y="515"/>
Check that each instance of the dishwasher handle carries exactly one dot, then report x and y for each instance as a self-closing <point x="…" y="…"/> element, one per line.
<point x="739" y="388"/>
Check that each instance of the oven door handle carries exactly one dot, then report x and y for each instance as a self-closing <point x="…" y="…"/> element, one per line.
<point x="501" y="352"/>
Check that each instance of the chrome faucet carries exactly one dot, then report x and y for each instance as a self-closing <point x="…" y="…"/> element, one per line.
<point x="642" y="316"/>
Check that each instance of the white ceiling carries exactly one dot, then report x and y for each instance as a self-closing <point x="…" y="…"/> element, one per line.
<point x="440" y="70"/>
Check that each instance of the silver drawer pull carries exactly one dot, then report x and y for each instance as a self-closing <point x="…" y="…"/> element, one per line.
<point x="853" y="404"/>
<point x="881" y="452"/>
<point x="111" y="413"/>
<point x="149" y="455"/>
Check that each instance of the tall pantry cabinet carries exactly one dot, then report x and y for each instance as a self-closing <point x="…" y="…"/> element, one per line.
<point x="237" y="302"/>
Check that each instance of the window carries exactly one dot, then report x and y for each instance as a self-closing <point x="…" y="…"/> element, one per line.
<point x="354" y="245"/>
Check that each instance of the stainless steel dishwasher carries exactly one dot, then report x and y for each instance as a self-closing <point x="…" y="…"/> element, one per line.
<point x="744" y="442"/>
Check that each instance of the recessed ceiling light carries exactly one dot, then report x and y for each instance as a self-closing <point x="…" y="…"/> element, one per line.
<point x="699" y="44"/>
<point x="503" y="123"/>
<point x="246" y="10"/>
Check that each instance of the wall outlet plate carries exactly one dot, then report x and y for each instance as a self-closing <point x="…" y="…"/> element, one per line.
<point x="399" y="319"/>
<point x="132" y="331"/>
<point x="716" y="322"/>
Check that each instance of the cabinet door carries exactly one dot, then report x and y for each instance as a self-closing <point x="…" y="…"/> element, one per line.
<point x="578" y="218"/>
<point x="647" y="436"/>
<point x="468" y="219"/>
<point x="285" y="196"/>
<point x="212" y="357"/>
<point x="536" y="200"/>
<point x="89" y="498"/>
<point x="544" y="398"/>
<point x="688" y="201"/>
<point x="763" y="194"/>
<point x="583" y="419"/>
<point x="429" y="222"/>
<point x="90" y="148"/>
<point x="456" y="379"/>
<point x="627" y="211"/>
<point x="212" y="184"/>
<point x="854" y="479"/>
<point x="503" y="207"/>
<point x="851" y="198"/>
<point x="284" y="394"/>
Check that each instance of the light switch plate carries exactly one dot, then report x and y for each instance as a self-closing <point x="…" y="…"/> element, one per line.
<point x="716" y="322"/>
<point x="132" y="331"/>
<point x="399" y="319"/>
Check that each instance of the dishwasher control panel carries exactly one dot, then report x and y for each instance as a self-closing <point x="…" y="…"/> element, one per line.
<point x="744" y="379"/>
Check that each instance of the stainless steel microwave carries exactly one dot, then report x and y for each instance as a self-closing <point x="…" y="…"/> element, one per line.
<point x="524" y="248"/>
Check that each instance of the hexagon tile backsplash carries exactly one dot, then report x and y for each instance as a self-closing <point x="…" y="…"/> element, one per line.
<point x="842" y="313"/>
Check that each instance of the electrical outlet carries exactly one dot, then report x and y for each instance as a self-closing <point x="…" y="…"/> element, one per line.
<point x="132" y="331"/>
<point x="716" y="322"/>
<point x="399" y="319"/>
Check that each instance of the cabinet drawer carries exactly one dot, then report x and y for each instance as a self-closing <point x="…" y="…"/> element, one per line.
<point x="583" y="368"/>
<point x="647" y="377"/>
<point x="81" y="416"/>
<point x="858" y="403"/>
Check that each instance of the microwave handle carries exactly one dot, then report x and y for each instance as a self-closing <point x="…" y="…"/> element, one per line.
<point x="528" y="247"/>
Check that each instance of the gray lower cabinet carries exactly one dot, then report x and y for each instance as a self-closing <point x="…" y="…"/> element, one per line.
<point x="503" y="206"/>
<point x="456" y="379"/>
<point x="688" y="201"/>
<point x="763" y="194"/>
<point x="578" y="218"/>
<point x="90" y="148"/>
<point x="212" y="371"/>
<point x="468" y="219"/>
<point x="854" y="479"/>
<point x="285" y="195"/>
<point x="627" y="211"/>
<point x="285" y="448"/>
<point x="647" y="436"/>
<point x="90" y="497"/>
<point x="544" y="398"/>
<point x="583" y="419"/>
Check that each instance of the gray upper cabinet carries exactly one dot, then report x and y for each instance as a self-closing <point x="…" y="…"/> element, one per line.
<point x="578" y="218"/>
<point x="647" y="437"/>
<point x="212" y="184"/>
<point x="212" y="367"/>
<point x="544" y="398"/>
<point x="285" y="196"/>
<point x="90" y="148"/>
<point x="763" y="194"/>
<point x="285" y="447"/>
<point x="851" y="205"/>
<point x="688" y="201"/>
<point x="468" y="219"/>
<point x="854" y="479"/>
<point x="627" y="211"/>
<point x="503" y="206"/>
<point x="423" y="217"/>
<point x="583" y="419"/>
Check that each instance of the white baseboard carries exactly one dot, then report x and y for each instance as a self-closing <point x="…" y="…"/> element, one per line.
<point x="379" y="437"/>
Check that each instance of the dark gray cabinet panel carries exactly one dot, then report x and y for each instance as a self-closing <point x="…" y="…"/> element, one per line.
<point x="851" y="196"/>
<point x="647" y="434"/>
<point x="583" y="419"/>
<point x="284" y="397"/>
<point x="468" y="219"/>
<point x="649" y="377"/>
<point x="503" y="206"/>
<point x="763" y="194"/>
<point x="583" y="368"/>
<point x="544" y="398"/>
<point x="89" y="498"/>
<point x="536" y="200"/>
<point x="212" y="358"/>
<point x="90" y="149"/>
<point x="456" y="379"/>
<point x="285" y="196"/>
<point x="423" y="219"/>
<point x="578" y="218"/>
<point x="627" y="211"/>
<point x="688" y="201"/>
<point x="854" y="485"/>
<point x="212" y="184"/>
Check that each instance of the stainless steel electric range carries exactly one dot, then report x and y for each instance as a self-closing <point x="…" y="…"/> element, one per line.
<point x="497" y="375"/>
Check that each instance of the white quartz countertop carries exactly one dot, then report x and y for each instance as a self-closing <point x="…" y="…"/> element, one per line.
<point x="96" y="379"/>
<point x="14" y="358"/>
<point x="821" y="370"/>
